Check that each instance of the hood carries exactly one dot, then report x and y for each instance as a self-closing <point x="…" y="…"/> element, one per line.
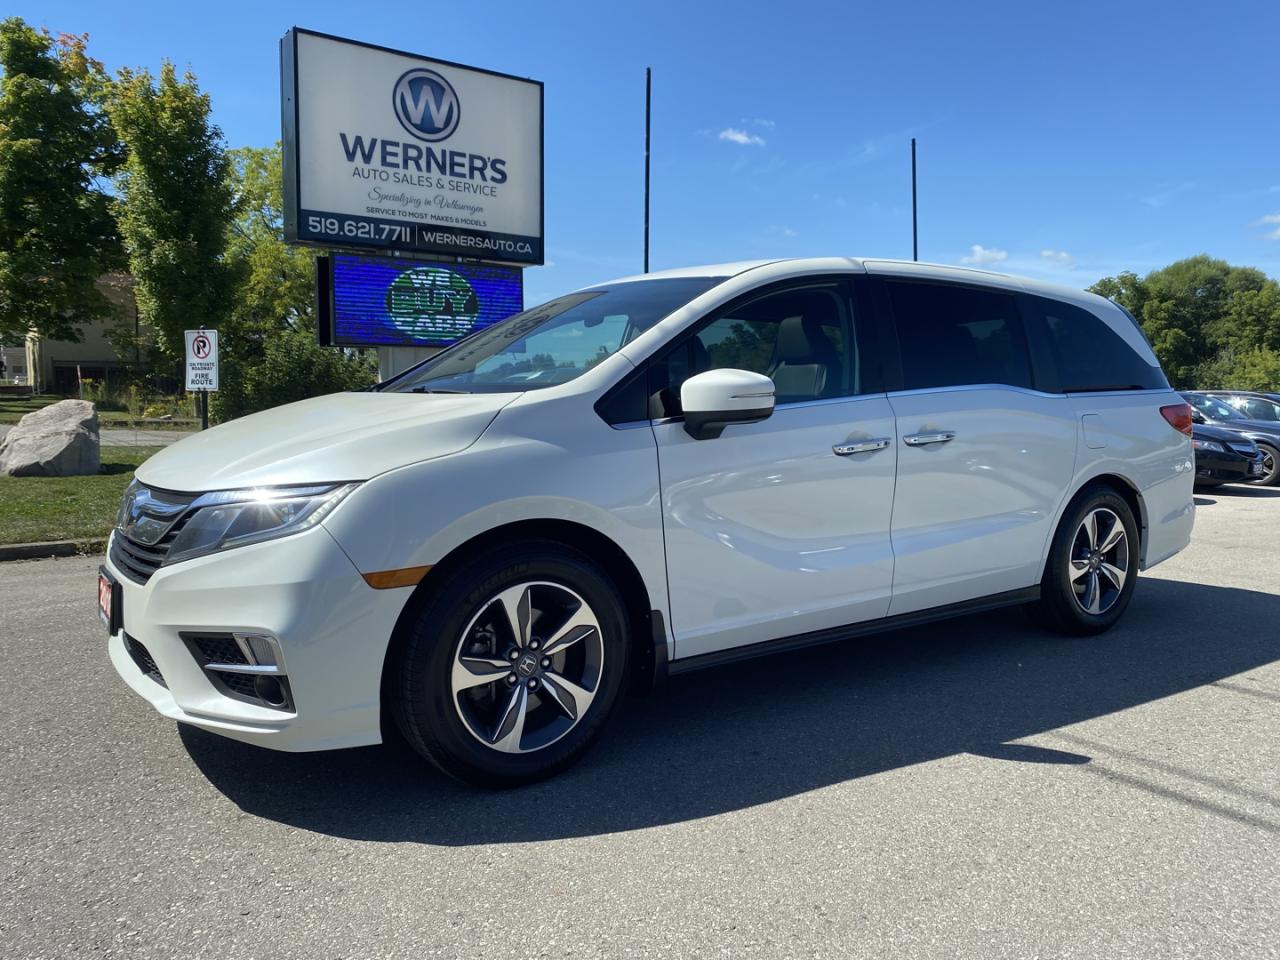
<point x="1203" y="431"/>
<point x="343" y="436"/>
<point x="1253" y="428"/>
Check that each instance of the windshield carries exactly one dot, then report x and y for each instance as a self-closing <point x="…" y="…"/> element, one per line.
<point x="555" y="342"/>
<point x="1213" y="408"/>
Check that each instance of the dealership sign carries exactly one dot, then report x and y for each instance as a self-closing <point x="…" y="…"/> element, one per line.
<point x="393" y="151"/>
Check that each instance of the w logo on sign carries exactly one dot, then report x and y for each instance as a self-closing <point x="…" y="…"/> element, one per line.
<point x="426" y="105"/>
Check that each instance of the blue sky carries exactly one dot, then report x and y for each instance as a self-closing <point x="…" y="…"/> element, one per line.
<point x="1062" y="141"/>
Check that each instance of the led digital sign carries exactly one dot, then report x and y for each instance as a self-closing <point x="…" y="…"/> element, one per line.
<point x="384" y="301"/>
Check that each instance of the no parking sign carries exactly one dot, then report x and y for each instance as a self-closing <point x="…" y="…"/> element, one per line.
<point x="202" y="359"/>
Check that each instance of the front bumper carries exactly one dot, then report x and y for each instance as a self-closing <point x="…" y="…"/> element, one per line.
<point x="1229" y="467"/>
<point x="331" y="627"/>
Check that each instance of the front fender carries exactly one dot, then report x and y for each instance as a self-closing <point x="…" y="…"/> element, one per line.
<point x="587" y="473"/>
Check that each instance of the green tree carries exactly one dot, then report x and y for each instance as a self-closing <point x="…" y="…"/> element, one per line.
<point x="57" y="235"/>
<point x="1203" y="317"/>
<point x="1256" y="369"/>
<point x="175" y="203"/>
<point x="269" y="350"/>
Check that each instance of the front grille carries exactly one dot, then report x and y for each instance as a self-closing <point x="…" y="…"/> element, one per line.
<point x="136" y="561"/>
<point x="142" y="657"/>
<point x="148" y="510"/>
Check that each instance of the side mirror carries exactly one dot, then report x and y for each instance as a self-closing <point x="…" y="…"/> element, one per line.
<point x="713" y="400"/>
<point x="1197" y="416"/>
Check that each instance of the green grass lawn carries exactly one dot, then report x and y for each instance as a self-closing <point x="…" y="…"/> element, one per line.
<point x="12" y="409"/>
<point x="67" y="508"/>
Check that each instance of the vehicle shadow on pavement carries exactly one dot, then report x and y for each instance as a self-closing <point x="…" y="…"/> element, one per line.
<point x="748" y="734"/>
<point x="1246" y="492"/>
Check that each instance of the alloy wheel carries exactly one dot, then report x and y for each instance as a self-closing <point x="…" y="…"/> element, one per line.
<point x="527" y="667"/>
<point x="1099" y="563"/>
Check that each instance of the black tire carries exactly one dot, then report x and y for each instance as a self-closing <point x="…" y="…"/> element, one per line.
<point x="421" y="695"/>
<point x="1061" y="608"/>
<point x="1272" y="477"/>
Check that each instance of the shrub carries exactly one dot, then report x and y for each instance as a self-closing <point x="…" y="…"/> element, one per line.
<point x="291" y="366"/>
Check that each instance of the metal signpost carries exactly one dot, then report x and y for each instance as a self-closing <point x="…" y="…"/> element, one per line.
<point x="202" y="367"/>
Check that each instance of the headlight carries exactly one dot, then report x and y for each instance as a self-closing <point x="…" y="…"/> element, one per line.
<point x="1208" y="445"/>
<point x="235" y="518"/>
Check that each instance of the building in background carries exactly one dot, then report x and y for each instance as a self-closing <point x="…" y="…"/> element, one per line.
<point x="57" y="366"/>
<point x="13" y="365"/>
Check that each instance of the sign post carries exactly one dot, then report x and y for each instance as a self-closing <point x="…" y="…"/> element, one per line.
<point x="202" y="367"/>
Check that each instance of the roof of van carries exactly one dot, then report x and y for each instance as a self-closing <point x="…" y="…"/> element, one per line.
<point x="936" y="271"/>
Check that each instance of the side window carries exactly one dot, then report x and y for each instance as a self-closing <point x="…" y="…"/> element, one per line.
<point x="1092" y="356"/>
<point x="1256" y="409"/>
<point x="801" y="337"/>
<point x="953" y="335"/>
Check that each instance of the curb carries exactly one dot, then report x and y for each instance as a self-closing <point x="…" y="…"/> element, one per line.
<point x="52" y="548"/>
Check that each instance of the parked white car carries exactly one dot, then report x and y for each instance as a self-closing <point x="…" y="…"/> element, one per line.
<point x="645" y="477"/>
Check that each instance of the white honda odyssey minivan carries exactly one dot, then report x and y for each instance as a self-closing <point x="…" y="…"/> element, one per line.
<point x="641" y="478"/>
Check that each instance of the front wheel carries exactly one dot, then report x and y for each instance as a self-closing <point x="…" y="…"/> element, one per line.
<point x="1270" y="465"/>
<point x="1092" y="567"/>
<point x="513" y="666"/>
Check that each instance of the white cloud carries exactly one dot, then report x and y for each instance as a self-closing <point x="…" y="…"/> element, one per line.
<point x="1272" y="218"/>
<point x="767" y="124"/>
<point x="1058" y="256"/>
<point x="788" y="232"/>
<point x="734" y="135"/>
<point x="981" y="256"/>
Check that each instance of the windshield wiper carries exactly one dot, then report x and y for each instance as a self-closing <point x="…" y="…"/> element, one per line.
<point x="435" y="390"/>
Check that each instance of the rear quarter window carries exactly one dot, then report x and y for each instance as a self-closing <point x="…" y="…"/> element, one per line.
<point x="1091" y="356"/>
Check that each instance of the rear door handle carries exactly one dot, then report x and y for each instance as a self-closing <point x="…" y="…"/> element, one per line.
<point x="860" y="446"/>
<point x="922" y="439"/>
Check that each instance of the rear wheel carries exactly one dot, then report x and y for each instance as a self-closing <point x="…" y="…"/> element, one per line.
<point x="1270" y="465"/>
<point x="513" y="666"/>
<point x="1092" y="567"/>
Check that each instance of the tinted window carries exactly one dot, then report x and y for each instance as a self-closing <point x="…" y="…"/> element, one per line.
<point x="951" y="335"/>
<point x="1092" y="356"/>
<point x="800" y="337"/>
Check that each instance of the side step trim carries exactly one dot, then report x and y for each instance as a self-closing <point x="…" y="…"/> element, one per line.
<point x="1011" y="598"/>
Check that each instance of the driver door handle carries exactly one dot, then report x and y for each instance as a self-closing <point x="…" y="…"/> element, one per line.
<point x="859" y="446"/>
<point x="922" y="439"/>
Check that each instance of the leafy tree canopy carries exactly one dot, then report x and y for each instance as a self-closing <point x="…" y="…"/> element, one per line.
<point x="175" y="203"/>
<point x="57" y="235"/>
<point x="269" y="351"/>
<point x="1211" y="324"/>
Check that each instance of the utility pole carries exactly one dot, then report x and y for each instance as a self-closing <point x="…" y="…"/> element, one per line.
<point x="915" y="234"/>
<point x="648" y="88"/>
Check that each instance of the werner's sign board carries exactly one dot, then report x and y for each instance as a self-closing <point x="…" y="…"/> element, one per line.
<point x="202" y="359"/>
<point x="393" y="151"/>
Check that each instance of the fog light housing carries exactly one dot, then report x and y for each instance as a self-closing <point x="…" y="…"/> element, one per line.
<point x="243" y="666"/>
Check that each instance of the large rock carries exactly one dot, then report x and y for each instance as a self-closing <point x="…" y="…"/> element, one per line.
<point x="60" y="440"/>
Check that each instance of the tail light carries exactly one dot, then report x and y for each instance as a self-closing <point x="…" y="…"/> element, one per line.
<point x="1179" y="416"/>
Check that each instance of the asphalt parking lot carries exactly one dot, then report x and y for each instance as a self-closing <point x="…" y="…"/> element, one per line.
<point x="972" y="789"/>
